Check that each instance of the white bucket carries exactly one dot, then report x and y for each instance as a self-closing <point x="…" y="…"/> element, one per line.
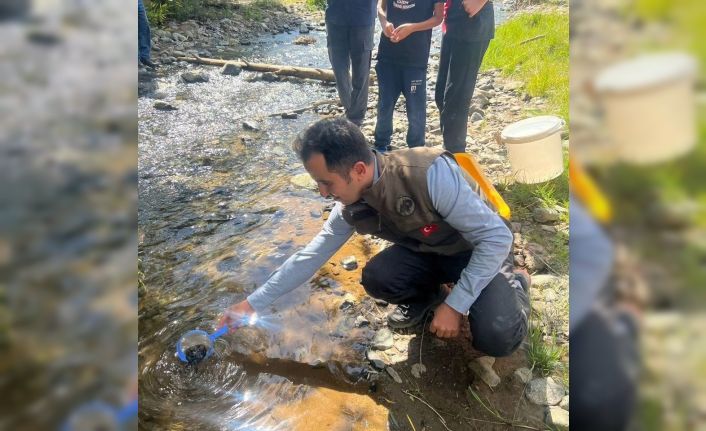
<point x="649" y="107"/>
<point x="534" y="148"/>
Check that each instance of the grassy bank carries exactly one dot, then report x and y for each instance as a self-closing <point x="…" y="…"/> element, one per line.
<point x="161" y="11"/>
<point x="534" y="48"/>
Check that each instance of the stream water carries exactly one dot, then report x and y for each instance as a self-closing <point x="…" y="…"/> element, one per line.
<point x="217" y="214"/>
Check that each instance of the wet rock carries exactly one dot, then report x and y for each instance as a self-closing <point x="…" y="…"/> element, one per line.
<point x="251" y="125"/>
<point x="290" y="115"/>
<point x="349" y="263"/>
<point x="349" y="301"/>
<point x="483" y="368"/>
<point x="164" y="106"/>
<point x="396" y="377"/>
<point x="545" y="215"/>
<point x="194" y="77"/>
<point x="545" y="392"/>
<point x="231" y="69"/>
<point x="383" y="339"/>
<point x="303" y="28"/>
<point x="304" y="40"/>
<point x="418" y="369"/>
<point x="557" y="418"/>
<point x="377" y="359"/>
<point x="304" y="181"/>
<point x="564" y="404"/>
<point x="361" y="322"/>
<point x="523" y="375"/>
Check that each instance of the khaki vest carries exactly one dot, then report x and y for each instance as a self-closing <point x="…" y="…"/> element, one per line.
<point x="398" y="207"/>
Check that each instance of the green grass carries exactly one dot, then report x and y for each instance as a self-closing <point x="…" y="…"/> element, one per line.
<point x="258" y="9"/>
<point x="544" y="357"/>
<point x="542" y="64"/>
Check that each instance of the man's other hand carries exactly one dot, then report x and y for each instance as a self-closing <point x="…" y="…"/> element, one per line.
<point x="472" y="7"/>
<point x="237" y="315"/>
<point x="389" y="29"/>
<point x="401" y="32"/>
<point x="446" y="322"/>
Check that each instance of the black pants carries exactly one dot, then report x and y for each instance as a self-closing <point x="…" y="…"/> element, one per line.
<point x="349" y="50"/>
<point x="498" y="318"/>
<point x="604" y="369"/>
<point x="459" y="63"/>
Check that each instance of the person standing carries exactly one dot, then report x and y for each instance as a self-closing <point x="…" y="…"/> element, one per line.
<point x="403" y="55"/>
<point x="144" y="37"/>
<point x="350" y="26"/>
<point x="468" y="27"/>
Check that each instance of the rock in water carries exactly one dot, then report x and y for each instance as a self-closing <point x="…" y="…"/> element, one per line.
<point x="231" y="69"/>
<point x="303" y="28"/>
<point x="195" y="354"/>
<point x="194" y="77"/>
<point x="164" y="106"/>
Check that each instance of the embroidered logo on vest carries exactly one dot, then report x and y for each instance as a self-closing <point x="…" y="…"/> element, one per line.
<point x="404" y="206"/>
<point x="429" y="229"/>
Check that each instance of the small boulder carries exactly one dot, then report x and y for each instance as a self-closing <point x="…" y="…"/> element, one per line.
<point x="303" y="28"/>
<point x="545" y="392"/>
<point x="557" y="418"/>
<point x="545" y="215"/>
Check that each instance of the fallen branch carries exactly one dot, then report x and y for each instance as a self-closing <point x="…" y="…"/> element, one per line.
<point x="532" y="39"/>
<point x="307" y="108"/>
<point x="441" y="418"/>
<point x="300" y="72"/>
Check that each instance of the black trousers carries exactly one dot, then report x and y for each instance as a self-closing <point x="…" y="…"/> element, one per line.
<point x="459" y="63"/>
<point x="498" y="318"/>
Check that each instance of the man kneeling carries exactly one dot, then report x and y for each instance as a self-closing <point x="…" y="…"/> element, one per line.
<point x="442" y="231"/>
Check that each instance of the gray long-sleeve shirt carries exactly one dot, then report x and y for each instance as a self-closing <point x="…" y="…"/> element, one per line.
<point x="457" y="204"/>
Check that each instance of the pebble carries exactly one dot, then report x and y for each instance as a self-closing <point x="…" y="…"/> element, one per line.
<point x="545" y="392"/>
<point x="418" y="369"/>
<point x="350" y="263"/>
<point x="376" y="358"/>
<point x="383" y="339"/>
<point x="396" y="377"/>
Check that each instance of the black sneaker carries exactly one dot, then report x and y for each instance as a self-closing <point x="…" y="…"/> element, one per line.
<point x="409" y="315"/>
<point x="148" y="63"/>
<point x="524" y="278"/>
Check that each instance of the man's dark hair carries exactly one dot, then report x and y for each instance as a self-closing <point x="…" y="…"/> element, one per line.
<point x="340" y="142"/>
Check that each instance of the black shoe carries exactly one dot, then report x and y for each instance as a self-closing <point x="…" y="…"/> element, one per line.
<point x="524" y="278"/>
<point x="409" y="315"/>
<point x="148" y="63"/>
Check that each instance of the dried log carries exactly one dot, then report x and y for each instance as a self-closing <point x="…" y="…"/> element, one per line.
<point x="300" y="72"/>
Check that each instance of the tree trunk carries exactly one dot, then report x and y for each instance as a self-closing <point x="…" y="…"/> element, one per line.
<point x="300" y="72"/>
